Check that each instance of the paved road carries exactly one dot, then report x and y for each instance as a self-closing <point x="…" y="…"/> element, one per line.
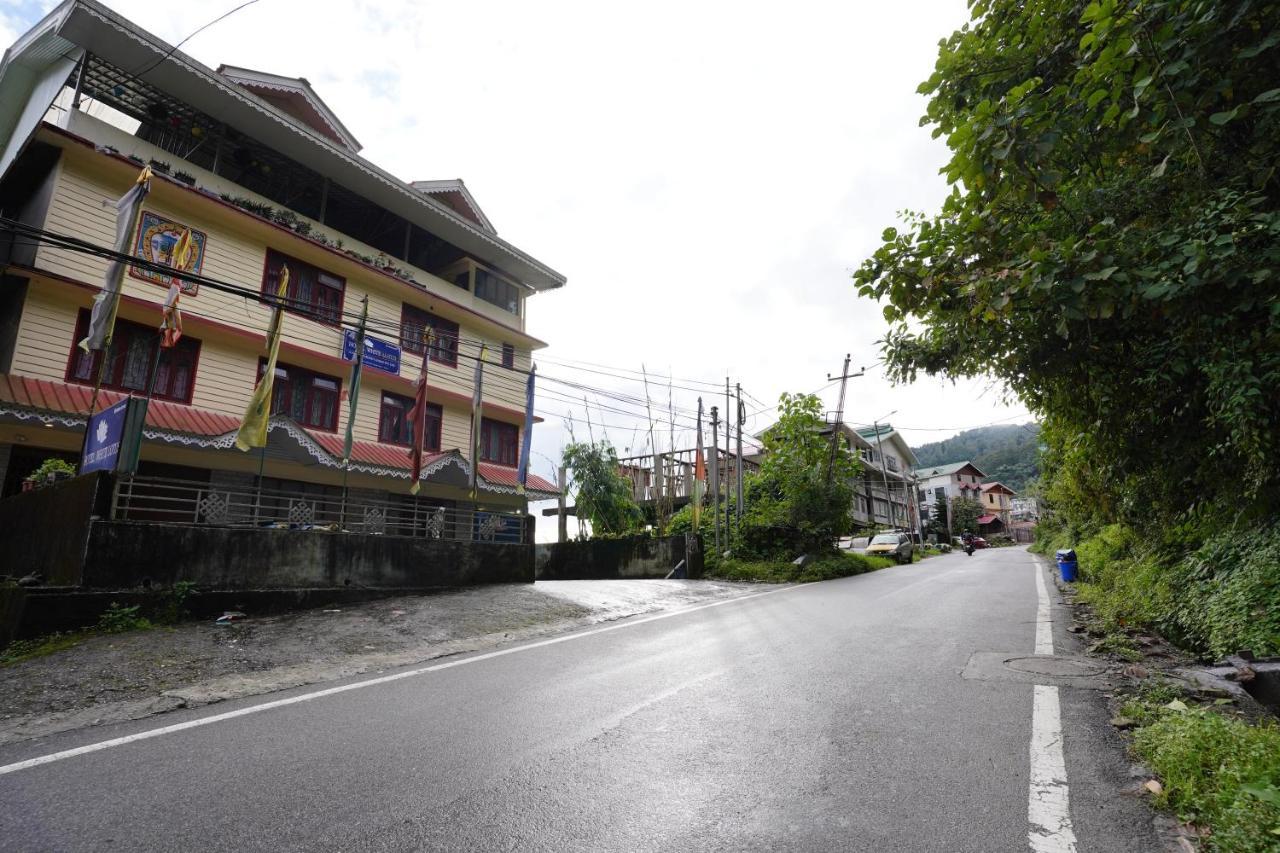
<point x="833" y="716"/>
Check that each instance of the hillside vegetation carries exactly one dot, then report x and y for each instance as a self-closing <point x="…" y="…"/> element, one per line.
<point x="1009" y="453"/>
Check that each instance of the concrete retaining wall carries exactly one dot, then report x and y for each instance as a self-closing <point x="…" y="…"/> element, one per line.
<point x="633" y="557"/>
<point x="47" y="530"/>
<point x="125" y="554"/>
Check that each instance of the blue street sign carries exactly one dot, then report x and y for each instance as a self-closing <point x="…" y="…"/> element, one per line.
<point x="103" y="440"/>
<point x="377" y="354"/>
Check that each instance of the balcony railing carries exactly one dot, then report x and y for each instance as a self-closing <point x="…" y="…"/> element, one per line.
<point x="167" y="501"/>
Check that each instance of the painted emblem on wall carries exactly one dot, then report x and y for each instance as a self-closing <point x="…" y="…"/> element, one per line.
<point x="156" y="238"/>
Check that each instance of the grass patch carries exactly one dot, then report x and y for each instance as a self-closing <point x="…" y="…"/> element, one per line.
<point x="116" y="619"/>
<point x="1118" y="644"/>
<point x="1217" y="771"/>
<point x="20" y="650"/>
<point x="826" y="567"/>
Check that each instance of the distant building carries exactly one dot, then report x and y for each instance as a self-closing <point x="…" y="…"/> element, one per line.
<point x="996" y="507"/>
<point x="943" y="483"/>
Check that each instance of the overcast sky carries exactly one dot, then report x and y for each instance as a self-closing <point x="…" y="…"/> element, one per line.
<point x="707" y="175"/>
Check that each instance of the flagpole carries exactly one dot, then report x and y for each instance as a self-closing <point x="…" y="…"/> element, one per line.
<point x="116" y="274"/>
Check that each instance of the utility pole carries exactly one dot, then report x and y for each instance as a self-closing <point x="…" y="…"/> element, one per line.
<point x="844" y="377"/>
<point x="742" y="418"/>
<point x="562" y="522"/>
<point x="715" y="474"/>
<point x="728" y="544"/>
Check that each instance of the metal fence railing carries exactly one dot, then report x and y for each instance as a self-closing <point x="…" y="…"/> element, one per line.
<point x="168" y="501"/>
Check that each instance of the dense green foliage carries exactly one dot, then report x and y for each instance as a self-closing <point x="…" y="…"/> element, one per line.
<point x="1215" y="596"/>
<point x="1006" y="453"/>
<point x="1111" y="247"/>
<point x="602" y="495"/>
<point x="828" y="567"/>
<point x="964" y="515"/>
<point x="1220" y="772"/>
<point x="800" y="499"/>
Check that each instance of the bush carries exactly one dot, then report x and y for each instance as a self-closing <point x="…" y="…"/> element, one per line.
<point x="827" y="567"/>
<point x="117" y="619"/>
<point x="1218" y="771"/>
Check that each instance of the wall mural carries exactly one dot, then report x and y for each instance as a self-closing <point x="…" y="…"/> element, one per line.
<point x="156" y="238"/>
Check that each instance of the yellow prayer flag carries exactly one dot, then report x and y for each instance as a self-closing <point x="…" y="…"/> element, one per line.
<point x="253" y="429"/>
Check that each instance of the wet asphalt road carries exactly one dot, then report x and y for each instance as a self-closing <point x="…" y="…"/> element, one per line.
<point x="832" y="716"/>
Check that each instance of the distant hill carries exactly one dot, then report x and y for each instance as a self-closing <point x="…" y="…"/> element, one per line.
<point x="1010" y="454"/>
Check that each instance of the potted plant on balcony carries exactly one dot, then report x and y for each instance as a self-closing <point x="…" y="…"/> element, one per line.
<point x="51" y="470"/>
<point x="182" y="177"/>
<point x="160" y="166"/>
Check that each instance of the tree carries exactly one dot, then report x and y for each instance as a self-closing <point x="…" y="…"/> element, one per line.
<point x="1111" y="245"/>
<point x="603" y="495"/>
<point x="801" y="498"/>
<point x="964" y="515"/>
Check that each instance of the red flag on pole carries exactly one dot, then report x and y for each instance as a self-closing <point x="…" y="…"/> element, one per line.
<point x="418" y="417"/>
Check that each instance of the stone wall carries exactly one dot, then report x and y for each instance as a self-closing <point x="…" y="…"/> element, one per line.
<point x="124" y="554"/>
<point x="47" y="531"/>
<point x="632" y="557"/>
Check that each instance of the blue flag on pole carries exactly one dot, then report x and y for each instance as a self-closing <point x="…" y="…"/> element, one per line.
<point x="527" y="439"/>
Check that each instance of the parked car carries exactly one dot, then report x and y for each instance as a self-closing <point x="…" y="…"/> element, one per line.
<point x="896" y="545"/>
<point x="979" y="542"/>
<point x="856" y="544"/>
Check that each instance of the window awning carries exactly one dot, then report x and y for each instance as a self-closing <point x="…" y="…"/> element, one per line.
<point x="987" y="519"/>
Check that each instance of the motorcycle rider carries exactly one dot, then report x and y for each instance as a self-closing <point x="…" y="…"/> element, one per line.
<point x="967" y="539"/>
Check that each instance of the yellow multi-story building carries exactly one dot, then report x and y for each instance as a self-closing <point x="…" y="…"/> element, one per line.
<point x="263" y="175"/>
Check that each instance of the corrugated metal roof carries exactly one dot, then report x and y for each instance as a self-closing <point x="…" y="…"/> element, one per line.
<point x="500" y="475"/>
<point x="67" y="399"/>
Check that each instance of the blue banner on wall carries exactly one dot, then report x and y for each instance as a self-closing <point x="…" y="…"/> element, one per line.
<point x="379" y="354"/>
<point x="104" y="438"/>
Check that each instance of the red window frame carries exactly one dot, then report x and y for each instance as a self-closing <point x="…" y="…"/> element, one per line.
<point x="413" y="325"/>
<point x="499" y="443"/>
<point x="310" y="403"/>
<point x="132" y="352"/>
<point x="309" y="294"/>
<point x="394" y="426"/>
<point x="509" y="356"/>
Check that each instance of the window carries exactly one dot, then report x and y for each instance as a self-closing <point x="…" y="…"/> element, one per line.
<point x="494" y="290"/>
<point x="312" y="292"/>
<point x="129" y="360"/>
<point x="463" y="280"/>
<point x="508" y="356"/>
<point x="414" y="323"/>
<point x="309" y="398"/>
<point x="394" y="426"/>
<point x="940" y="494"/>
<point x="891" y="462"/>
<point x="498" y="442"/>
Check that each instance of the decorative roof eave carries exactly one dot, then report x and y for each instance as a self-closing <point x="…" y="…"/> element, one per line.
<point x="293" y="86"/>
<point x="82" y="22"/>
<point x="226" y="441"/>
<point x="457" y="186"/>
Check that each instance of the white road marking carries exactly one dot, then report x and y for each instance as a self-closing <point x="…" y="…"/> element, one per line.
<point x="1044" y="617"/>
<point x="1048" y="810"/>
<point x="357" y="685"/>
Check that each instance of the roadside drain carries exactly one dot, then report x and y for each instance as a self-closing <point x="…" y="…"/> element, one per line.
<point x="1054" y="666"/>
<point x="1061" y="670"/>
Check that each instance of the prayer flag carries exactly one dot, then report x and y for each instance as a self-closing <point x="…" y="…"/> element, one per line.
<point x="418" y="417"/>
<point x="354" y="394"/>
<point x="253" y="430"/>
<point x="102" y="319"/>
<point x="476" y="408"/>
<point x="522" y="476"/>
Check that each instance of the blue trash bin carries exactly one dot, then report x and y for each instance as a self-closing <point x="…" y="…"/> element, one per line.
<point x="1067" y="569"/>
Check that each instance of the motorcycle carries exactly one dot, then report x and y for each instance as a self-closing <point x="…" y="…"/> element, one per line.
<point x="968" y="547"/>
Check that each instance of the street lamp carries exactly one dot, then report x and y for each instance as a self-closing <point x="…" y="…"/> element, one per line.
<point x="884" y="468"/>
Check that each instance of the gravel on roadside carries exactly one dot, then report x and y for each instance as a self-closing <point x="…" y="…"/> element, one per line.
<point x="116" y="677"/>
